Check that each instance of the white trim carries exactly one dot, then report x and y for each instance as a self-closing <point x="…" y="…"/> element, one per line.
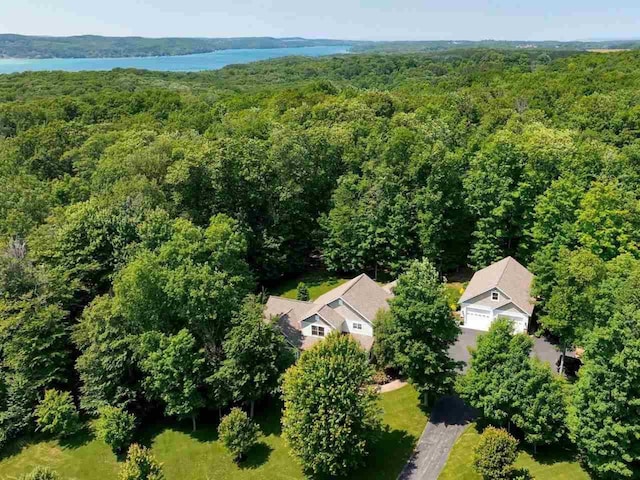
<point x="314" y="320"/>
<point x="324" y="334"/>
<point x="497" y="309"/>
<point x="476" y="306"/>
<point x="370" y="322"/>
<point x="470" y="300"/>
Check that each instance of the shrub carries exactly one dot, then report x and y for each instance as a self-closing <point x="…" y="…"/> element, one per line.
<point x="57" y="414"/>
<point x="495" y="454"/>
<point x="380" y="377"/>
<point x="520" y="474"/>
<point x="140" y="465"/>
<point x="40" y="473"/>
<point x="115" y="426"/>
<point x="237" y="433"/>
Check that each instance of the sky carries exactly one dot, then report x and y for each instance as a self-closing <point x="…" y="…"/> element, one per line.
<point x="340" y="19"/>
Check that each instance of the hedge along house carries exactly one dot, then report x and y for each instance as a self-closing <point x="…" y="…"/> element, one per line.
<point x="349" y="308"/>
<point x="502" y="289"/>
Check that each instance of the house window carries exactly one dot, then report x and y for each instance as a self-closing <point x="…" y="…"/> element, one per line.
<point x="495" y="296"/>
<point x="317" y="331"/>
<point x="357" y="326"/>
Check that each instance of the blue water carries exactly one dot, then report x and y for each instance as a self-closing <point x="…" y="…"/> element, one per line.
<point x="178" y="63"/>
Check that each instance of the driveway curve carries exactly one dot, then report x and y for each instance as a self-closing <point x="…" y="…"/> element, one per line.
<point x="449" y="418"/>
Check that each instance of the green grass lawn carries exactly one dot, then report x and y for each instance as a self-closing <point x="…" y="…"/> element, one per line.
<point x="319" y="282"/>
<point x="555" y="463"/>
<point x="199" y="456"/>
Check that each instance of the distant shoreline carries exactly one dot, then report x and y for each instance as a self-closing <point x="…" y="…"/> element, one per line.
<point x="195" y="62"/>
<point x="14" y="46"/>
<point x="116" y="57"/>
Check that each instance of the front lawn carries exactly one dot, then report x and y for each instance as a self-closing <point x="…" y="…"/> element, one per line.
<point x="552" y="463"/>
<point x="197" y="456"/>
<point x="319" y="283"/>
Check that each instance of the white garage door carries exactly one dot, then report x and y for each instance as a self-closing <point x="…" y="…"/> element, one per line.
<point x="519" y="324"/>
<point x="477" y="320"/>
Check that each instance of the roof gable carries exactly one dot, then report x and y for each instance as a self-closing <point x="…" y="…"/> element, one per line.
<point x="507" y="275"/>
<point x="361" y="293"/>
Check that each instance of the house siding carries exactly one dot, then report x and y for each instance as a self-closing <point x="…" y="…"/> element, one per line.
<point x="351" y="317"/>
<point x="484" y="299"/>
<point x="315" y="320"/>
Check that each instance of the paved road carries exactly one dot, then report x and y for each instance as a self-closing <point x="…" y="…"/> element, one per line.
<point x="449" y="418"/>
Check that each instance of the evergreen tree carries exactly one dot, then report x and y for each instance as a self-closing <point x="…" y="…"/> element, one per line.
<point x="302" y="292"/>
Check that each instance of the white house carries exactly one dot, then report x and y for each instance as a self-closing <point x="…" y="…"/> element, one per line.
<point x="349" y="308"/>
<point x="502" y="289"/>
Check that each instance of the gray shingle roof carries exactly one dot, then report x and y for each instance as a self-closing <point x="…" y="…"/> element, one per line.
<point x="361" y="293"/>
<point x="507" y="275"/>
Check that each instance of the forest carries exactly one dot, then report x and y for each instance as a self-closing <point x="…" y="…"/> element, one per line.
<point x="97" y="46"/>
<point x="92" y="46"/>
<point x="144" y="215"/>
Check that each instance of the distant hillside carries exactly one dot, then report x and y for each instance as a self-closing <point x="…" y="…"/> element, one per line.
<point x="91" y="46"/>
<point x="439" y="45"/>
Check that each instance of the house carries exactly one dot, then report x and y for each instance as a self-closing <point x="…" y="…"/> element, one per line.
<point x="349" y="308"/>
<point x="502" y="289"/>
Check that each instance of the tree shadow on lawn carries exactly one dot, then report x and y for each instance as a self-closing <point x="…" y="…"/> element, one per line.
<point x="256" y="456"/>
<point x="387" y="457"/>
<point x="15" y="447"/>
<point x="549" y="455"/>
<point x="205" y="432"/>
<point x="268" y="419"/>
<point x="77" y="440"/>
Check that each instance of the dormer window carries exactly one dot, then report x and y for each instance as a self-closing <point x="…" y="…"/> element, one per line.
<point x="317" y="331"/>
<point x="495" y="296"/>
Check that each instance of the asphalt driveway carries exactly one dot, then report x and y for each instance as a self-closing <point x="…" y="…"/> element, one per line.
<point x="542" y="348"/>
<point x="449" y="417"/>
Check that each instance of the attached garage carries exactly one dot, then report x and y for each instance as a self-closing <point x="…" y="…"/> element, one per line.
<point x="477" y="319"/>
<point x="502" y="289"/>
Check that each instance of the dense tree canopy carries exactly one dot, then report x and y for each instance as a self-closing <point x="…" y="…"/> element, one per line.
<point x="141" y="208"/>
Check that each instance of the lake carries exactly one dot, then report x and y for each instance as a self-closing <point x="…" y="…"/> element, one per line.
<point x="179" y="63"/>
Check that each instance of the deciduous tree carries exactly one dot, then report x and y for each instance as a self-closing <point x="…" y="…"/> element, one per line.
<point x="330" y="414"/>
<point x="174" y="372"/>
<point x="256" y="355"/>
<point x="57" y="414"/>
<point x="238" y="433"/>
<point x="424" y="330"/>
